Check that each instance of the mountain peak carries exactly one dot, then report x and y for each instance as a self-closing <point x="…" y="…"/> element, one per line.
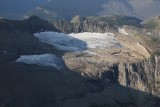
<point x="77" y="19"/>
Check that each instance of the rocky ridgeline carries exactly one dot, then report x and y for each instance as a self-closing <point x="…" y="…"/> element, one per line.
<point x="148" y="31"/>
<point x="84" y="26"/>
<point x="31" y="25"/>
<point x="17" y="36"/>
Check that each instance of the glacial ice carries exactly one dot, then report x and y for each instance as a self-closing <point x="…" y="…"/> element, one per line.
<point x="69" y="42"/>
<point x="78" y="41"/>
<point x="43" y="60"/>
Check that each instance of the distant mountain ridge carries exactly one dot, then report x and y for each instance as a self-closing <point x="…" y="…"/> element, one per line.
<point x="66" y="9"/>
<point x="60" y="9"/>
<point x="137" y="8"/>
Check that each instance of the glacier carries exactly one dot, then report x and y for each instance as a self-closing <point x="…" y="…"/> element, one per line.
<point x="42" y="60"/>
<point x="69" y="42"/>
<point x="78" y="41"/>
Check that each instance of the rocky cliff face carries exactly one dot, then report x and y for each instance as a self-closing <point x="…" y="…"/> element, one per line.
<point x="84" y="26"/>
<point x="143" y="75"/>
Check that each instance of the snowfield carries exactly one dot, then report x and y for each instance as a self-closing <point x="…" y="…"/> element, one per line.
<point x="43" y="60"/>
<point x="69" y="42"/>
<point x="78" y="41"/>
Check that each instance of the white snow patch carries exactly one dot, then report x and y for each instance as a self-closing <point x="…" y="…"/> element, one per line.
<point x="148" y="33"/>
<point x="94" y="40"/>
<point x="43" y="60"/>
<point x="122" y="31"/>
<point x="78" y="41"/>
